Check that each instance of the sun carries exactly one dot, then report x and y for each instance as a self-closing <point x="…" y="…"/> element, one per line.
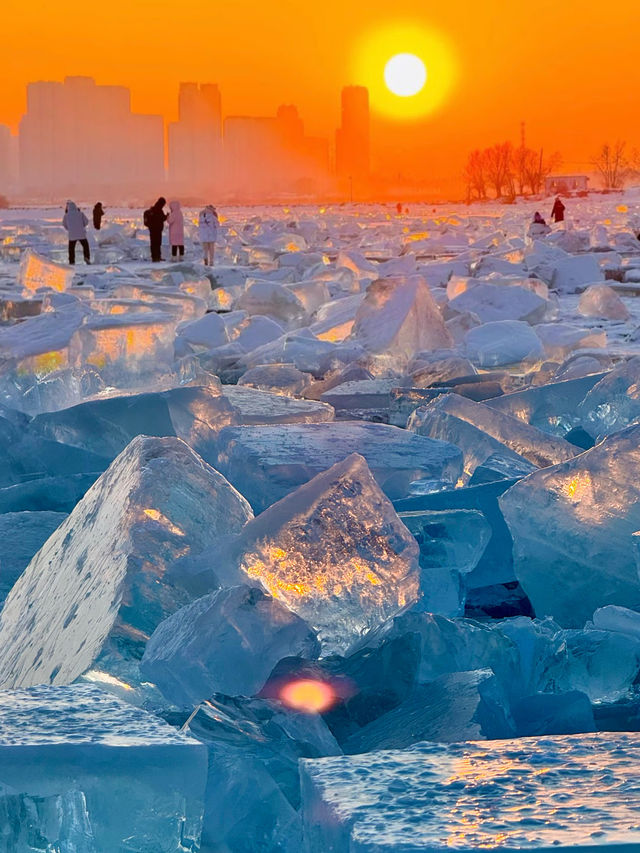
<point x="405" y="75"/>
<point x="409" y="68"/>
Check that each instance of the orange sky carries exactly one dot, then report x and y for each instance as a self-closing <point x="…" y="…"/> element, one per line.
<point x="569" y="68"/>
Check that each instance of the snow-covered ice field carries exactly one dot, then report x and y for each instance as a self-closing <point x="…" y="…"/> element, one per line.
<point x="365" y="493"/>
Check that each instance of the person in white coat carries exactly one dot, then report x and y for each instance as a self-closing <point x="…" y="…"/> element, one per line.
<point x="76" y="223"/>
<point x="208" y="232"/>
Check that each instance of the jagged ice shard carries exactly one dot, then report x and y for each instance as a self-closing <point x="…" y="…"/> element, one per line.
<point x="334" y="552"/>
<point x="573" y="526"/>
<point x="97" y="589"/>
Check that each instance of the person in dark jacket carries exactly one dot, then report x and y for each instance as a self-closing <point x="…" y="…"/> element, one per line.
<point x="98" y="213"/>
<point x="75" y="223"/>
<point x="557" y="212"/>
<point x="154" y="219"/>
<point x="538" y="219"/>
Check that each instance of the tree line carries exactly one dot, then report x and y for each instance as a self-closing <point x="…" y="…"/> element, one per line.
<point x="506" y="171"/>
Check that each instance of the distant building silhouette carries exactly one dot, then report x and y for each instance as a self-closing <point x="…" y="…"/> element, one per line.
<point x="195" y="140"/>
<point x="554" y="184"/>
<point x="8" y="160"/>
<point x="77" y="136"/>
<point x="353" y="136"/>
<point x="271" y="156"/>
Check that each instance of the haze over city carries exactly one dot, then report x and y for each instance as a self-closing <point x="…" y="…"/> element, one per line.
<point x="568" y="74"/>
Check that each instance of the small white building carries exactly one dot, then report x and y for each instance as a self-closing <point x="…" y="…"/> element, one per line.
<point x="556" y="184"/>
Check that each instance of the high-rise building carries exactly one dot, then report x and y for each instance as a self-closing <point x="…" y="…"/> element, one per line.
<point x="353" y="136"/>
<point x="195" y="140"/>
<point x="268" y="157"/>
<point x="8" y="158"/>
<point x="80" y="138"/>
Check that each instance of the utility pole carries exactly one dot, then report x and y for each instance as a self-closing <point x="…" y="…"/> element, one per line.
<point x="351" y="189"/>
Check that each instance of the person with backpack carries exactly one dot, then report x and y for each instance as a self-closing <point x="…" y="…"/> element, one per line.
<point x="154" y="218"/>
<point x="98" y="213"/>
<point x="175" y="221"/>
<point x="208" y="232"/>
<point x="75" y="222"/>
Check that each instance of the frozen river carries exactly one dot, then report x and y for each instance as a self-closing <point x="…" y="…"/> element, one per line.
<point x="365" y="492"/>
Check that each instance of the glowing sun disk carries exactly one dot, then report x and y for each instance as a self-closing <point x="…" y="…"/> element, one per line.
<point x="405" y="75"/>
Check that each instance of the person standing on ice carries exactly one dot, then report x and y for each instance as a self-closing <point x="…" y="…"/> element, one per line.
<point x="175" y="221"/>
<point x="557" y="211"/>
<point x="98" y="213"/>
<point x="76" y="223"/>
<point x="208" y="232"/>
<point x="154" y="219"/>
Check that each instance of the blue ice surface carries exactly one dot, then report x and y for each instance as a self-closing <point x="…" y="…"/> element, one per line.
<point x="573" y="792"/>
<point x="83" y="770"/>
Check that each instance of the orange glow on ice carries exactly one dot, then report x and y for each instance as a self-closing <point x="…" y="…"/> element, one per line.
<point x="308" y="695"/>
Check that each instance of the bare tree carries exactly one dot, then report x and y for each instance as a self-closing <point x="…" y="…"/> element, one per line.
<point x="612" y="164"/>
<point x="498" y="167"/>
<point x="537" y="168"/>
<point x="474" y="175"/>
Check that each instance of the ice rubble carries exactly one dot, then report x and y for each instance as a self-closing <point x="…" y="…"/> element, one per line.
<point x="98" y="588"/>
<point x="83" y="771"/>
<point x="523" y="357"/>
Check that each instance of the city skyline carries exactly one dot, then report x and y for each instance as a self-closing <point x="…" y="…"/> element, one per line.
<point x="80" y="137"/>
<point x="490" y="66"/>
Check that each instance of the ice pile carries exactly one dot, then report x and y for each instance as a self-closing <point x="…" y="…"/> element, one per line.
<point x="434" y="417"/>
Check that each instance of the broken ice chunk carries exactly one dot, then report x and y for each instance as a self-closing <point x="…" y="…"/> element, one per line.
<point x="451" y="544"/>
<point x="334" y="552"/>
<point x="455" y="707"/>
<point x="90" y="773"/>
<point x="36" y="271"/>
<point x="618" y="619"/>
<point x="106" y="426"/>
<point x="446" y="797"/>
<point x="226" y="642"/>
<point x="600" y="300"/>
<point x="255" y="407"/>
<point x="552" y="408"/>
<point x="614" y="402"/>
<point x="399" y="316"/>
<point x="479" y="431"/>
<point x="96" y="590"/>
<point x="561" y="339"/>
<point x="492" y="302"/>
<point x="572" y="527"/>
<point x="268" y="462"/>
<point x="253" y="787"/>
<point x="502" y="342"/>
